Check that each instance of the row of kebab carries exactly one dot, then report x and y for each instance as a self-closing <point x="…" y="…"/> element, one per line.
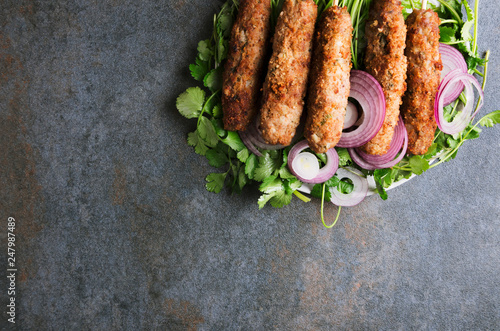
<point x="305" y="75"/>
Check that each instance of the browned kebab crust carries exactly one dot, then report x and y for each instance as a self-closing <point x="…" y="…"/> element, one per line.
<point x="329" y="84"/>
<point x="424" y="72"/>
<point x="245" y="66"/>
<point x="385" y="32"/>
<point x="286" y="81"/>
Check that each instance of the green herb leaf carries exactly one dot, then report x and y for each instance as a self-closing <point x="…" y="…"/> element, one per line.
<point x="204" y="50"/>
<point x="216" y="158"/>
<point x="215" y="182"/>
<point x="418" y="164"/>
<point x="250" y="165"/>
<point x="268" y="164"/>
<point x="190" y="102"/>
<point x="213" y="80"/>
<point x="490" y="119"/>
<point x="199" y="69"/>
<point x="207" y="132"/>
<point x="233" y="140"/>
<point x="194" y="139"/>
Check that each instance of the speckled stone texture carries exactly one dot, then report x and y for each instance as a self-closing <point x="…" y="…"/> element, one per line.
<point x="115" y="230"/>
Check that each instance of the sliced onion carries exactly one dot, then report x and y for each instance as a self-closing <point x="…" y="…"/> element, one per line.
<point x="351" y="115"/>
<point x="369" y="94"/>
<point x="394" y="147"/>
<point x="358" y="193"/>
<point x="255" y="136"/>
<point x="452" y="59"/>
<point x="324" y="174"/>
<point x="306" y="165"/>
<point x="399" y="144"/>
<point x="248" y="143"/>
<point x="460" y="121"/>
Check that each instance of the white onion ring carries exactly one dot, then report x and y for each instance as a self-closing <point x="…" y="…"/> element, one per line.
<point x="460" y="122"/>
<point x="367" y="91"/>
<point x="325" y="173"/>
<point x="358" y="193"/>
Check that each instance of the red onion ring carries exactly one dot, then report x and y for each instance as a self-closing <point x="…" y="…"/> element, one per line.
<point x="248" y="143"/>
<point x="325" y="173"/>
<point x="452" y="59"/>
<point x="394" y="147"/>
<point x="351" y="115"/>
<point x="370" y="96"/>
<point x="460" y="122"/>
<point x="358" y="193"/>
<point x="383" y="161"/>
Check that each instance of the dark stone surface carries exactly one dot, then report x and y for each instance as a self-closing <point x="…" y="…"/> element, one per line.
<point x="115" y="230"/>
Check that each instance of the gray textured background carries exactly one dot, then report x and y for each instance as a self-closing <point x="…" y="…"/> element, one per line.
<point x="116" y="231"/>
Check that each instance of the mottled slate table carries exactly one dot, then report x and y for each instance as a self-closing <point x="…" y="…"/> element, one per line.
<point x="115" y="231"/>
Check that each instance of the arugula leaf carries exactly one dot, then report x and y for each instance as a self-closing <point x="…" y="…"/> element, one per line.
<point x="190" y="102"/>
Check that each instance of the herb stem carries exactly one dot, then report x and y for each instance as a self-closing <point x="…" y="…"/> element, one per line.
<point x="204" y="106"/>
<point x="301" y="196"/>
<point x="450" y="21"/>
<point x="452" y="11"/>
<point x="322" y="207"/>
<point x="476" y="6"/>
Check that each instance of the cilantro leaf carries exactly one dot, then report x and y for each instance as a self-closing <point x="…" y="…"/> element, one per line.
<point x="190" y="102"/>
<point x="207" y="131"/>
<point x="233" y="140"/>
<point x="216" y="157"/>
<point x="213" y="80"/>
<point x="268" y="164"/>
<point x="204" y="50"/>
<point x="243" y="155"/>
<point x="251" y="165"/>
<point x="194" y="139"/>
<point x="280" y="199"/>
<point x="344" y="157"/>
<point x="418" y="164"/>
<point x="199" y="69"/>
<point x="447" y="34"/>
<point x="215" y="182"/>
<point x="490" y="119"/>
